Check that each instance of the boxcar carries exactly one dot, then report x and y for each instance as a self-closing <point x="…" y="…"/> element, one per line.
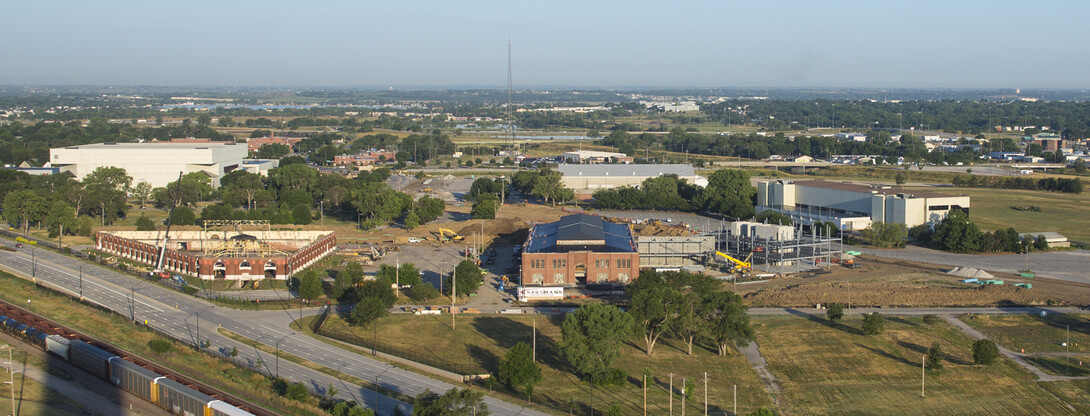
<point x="90" y="358"/>
<point x="181" y="400"/>
<point x="21" y="330"/>
<point x="10" y="324"/>
<point x="57" y="345"/>
<point x="134" y="379"/>
<point x="220" y="408"/>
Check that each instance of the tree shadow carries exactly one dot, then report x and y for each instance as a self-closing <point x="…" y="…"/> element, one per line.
<point x="901" y="320"/>
<point x="484" y="358"/>
<point x="824" y="321"/>
<point x="920" y="349"/>
<point x="507" y="332"/>
<point x="886" y="354"/>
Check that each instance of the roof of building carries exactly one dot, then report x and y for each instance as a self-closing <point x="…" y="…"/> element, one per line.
<point x="594" y="153"/>
<point x="1050" y="236"/>
<point x="180" y="146"/>
<point x="580" y="232"/>
<point x="626" y="170"/>
<point x="872" y="189"/>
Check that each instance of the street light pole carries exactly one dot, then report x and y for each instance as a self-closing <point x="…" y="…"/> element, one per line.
<point x="81" y="282"/>
<point x="671" y="393"/>
<point x="278" y="353"/>
<point x="11" y="373"/>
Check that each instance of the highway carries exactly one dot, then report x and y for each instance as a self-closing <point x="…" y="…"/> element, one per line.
<point x="176" y="313"/>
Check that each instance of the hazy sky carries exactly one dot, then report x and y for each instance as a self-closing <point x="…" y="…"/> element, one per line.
<point x="822" y="43"/>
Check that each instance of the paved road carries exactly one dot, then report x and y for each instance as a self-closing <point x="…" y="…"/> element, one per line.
<point x="176" y="313"/>
<point x="1064" y="265"/>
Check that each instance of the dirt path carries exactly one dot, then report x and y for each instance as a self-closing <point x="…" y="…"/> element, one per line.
<point x="1016" y="357"/>
<point x="753" y="354"/>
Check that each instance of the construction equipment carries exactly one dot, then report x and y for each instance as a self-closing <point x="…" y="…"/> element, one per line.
<point x="740" y="266"/>
<point x="448" y="235"/>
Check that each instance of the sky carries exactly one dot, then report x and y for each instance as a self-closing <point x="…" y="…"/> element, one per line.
<point x="560" y="43"/>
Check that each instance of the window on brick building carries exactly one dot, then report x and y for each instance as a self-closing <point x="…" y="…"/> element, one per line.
<point x="558" y="278"/>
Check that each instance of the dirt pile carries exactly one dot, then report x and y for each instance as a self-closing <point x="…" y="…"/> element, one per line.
<point x="969" y="272"/>
<point x="660" y="230"/>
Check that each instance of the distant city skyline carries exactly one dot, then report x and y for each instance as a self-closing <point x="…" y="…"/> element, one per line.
<point x="604" y="44"/>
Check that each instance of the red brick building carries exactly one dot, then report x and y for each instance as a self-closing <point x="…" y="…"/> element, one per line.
<point x="186" y="256"/>
<point x="255" y="143"/>
<point x="577" y="250"/>
<point x="364" y="158"/>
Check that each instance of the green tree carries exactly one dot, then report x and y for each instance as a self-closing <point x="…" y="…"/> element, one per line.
<point x="469" y="277"/>
<point x="412" y="220"/>
<point x="547" y="186"/>
<point x="23" y="208"/>
<point x="763" y="412"/>
<point x="272" y="151"/>
<point x="85" y="224"/>
<point x="934" y="356"/>
<point x="141" y="192"/>
<point x="143" y="223"/>
<point x="183" y="216"/>
<point x="874" y="323"/>
<point x="59" y="220"/>
<point x="956" y="233"/>
<point x="1040" y="243"/>
<point x="900" y="178"/>
<point x="108" y="187"/>
<point x="687" y="324"/>
<point x="366" y="311"/>
<point x="985" y="352"/>
<point x="727" y="321"/>
<point x="455" y="402"/>
<point x="485" y="207"/>
<point x="300" y="214"/>
<point x="310" y="285"/>
<point x="405" y="274"/>
<point x="652" y="305"/>
<point x="380" y="289"/>
<point x="834" y="312"/>
<point x="729" y="192"/>
<point x="204" y="120"/>
<point x="297" y="392"/>
<point x="591" y="338"/>
<point x="518" y="369"/>
<point x="423" y="292"/>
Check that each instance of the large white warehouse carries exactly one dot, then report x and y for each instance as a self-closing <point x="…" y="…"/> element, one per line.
<point x="854" y="206"/>
<point x="585" y="179"/>
<point x="158" y="164"/>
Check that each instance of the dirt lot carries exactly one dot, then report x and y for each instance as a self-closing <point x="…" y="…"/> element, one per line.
<point x="892" y="283"/>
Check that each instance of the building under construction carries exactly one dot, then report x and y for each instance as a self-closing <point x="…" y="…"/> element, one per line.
<point x="779" y="248"/>
<point x="233" y="254"/>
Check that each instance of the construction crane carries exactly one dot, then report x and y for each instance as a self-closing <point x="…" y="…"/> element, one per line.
<point x="158" y="270"/>
<point x="443" y="232"/>
<point x="740" y="266"/>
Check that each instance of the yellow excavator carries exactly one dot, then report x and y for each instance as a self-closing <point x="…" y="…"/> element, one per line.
<point x="740" y="266"/>
<point x="453" y="236"/>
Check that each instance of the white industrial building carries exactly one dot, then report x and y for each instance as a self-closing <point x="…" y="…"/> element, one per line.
<point x="854" y="206"/>
<point x="585" y="179"/>
<point x="158" y="164"/>
<point x="593" y="156"/>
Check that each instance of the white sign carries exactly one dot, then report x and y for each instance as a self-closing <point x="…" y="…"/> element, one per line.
<point x="526" y="294"/>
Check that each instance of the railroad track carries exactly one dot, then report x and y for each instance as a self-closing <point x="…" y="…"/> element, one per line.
<point x="53" y="328"/>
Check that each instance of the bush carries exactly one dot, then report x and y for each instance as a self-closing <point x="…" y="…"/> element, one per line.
<point x="874" y="324"/>
<point x="297" y="392"/>
<point x="985" y="352"/>
<point x="930" y="319"/>
<point x="423" y="292"/>
<point x="934" y="356"/>
<point x="160" y="345"/>
<point x="835" y="312"/>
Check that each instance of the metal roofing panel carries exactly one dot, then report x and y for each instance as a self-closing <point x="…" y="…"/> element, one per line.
<point x="681" y="170"/>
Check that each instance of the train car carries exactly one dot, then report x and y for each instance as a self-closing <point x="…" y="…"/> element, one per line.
<point x="39" y="340"/>
<point x="90" y="358"/>
<point x="20" y="330"/>
<point x="181" y="400"/>
<point x="57" y="345"/>
<point x="220" y="408"/>
<point x="10" y="324"/>
<point x="33" y="336"/>
<point x="134" y="379"/>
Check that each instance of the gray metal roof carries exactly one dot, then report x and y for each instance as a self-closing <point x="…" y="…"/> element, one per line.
<point x="603" y="235"/>
<point x="626" y="170"/>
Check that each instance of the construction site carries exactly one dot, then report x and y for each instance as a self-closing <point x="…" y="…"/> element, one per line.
<point x="240" y="251"/>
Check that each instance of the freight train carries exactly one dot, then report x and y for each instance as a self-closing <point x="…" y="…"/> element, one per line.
<point x="148" y="385"/>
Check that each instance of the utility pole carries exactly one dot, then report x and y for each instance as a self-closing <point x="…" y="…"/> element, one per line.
<point x="705" y="393"/>
<point x="81" y="282"/>
<point x="321" y="211"/>
<point x="923" y="374"/>
<point x="671" y="375"/>
<point x="684" y="385"/>
<point x="11" y="373"/>
<point x="535" y="340"/>
<point x="397" y="279"/>
<point x="645" y="395"/>
<point x="453" y="295"/>
<point x="735" y="399"/>
<point x="1067" y="357"/>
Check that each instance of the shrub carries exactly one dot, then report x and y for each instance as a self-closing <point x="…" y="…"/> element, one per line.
<point x="835" y="312"/>
<point x="985" y="352"/>
<point x="159" y="345"/>
<point x="297" y="392"/>
<point x="874" y="324"/>
<point x="930" y="319"/>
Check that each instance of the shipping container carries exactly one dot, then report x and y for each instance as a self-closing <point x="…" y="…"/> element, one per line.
<point x="134" y="379"/>
<point x="90" y="358"/>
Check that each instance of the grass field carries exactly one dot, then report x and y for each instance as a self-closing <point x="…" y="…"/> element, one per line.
<point x="1033" y="332"/>
<point x="836" y="370"/>
<point x="33" y="398"/>
<point x="1061" y="212"/>
<point x="121" y="333"/>
<point x="481" y="341"/>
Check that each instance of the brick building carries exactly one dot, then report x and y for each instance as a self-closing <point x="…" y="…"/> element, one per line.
<point x="577" y="250"/>
<point x="213" y="255"/>
<point x="372" y="157"/>
<point x="255" y="143"/>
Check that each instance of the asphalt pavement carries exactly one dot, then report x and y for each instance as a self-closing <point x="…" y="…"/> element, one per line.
<point x="177" y="314"/>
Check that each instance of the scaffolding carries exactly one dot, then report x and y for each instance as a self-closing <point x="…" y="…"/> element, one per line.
<point x="235" y="247"/>
<point x="804" y="252"/>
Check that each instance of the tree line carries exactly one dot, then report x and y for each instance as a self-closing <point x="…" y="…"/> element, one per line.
<point x="1053" y="184"/>
<point x="728" y="193"/>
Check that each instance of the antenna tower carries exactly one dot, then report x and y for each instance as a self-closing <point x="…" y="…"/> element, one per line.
<point x="510" y="113"/>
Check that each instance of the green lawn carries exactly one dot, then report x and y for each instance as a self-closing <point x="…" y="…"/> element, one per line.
<point x="1033" y="332"/>
<point x="32" y="397"/>
<point x="836" y="370"/>
<point x="481" y="341"/>
<point x="1060" y="212"/>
